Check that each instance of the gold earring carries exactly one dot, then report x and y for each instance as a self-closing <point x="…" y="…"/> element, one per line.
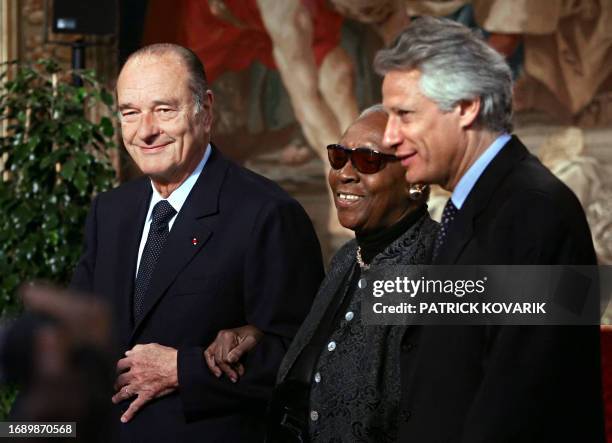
<point x="416" y="191"/>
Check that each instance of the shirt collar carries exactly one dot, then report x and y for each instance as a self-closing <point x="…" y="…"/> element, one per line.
<point x="180" y="194"/>
<point x="469" y="179"/>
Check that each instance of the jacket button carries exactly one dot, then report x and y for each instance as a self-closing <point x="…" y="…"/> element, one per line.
<point x="314" y="415"/>
<point x="331" y="346"/>
<point x="349" y="316"/>
<point x="317" y="377"/>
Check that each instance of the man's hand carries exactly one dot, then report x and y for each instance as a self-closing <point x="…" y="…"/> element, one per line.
<point x="223" y="355"/>
<point x="147" y="372"/>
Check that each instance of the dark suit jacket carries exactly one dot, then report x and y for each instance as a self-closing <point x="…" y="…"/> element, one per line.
<point x="257" y="261"/>
<point x="508" y="383"/>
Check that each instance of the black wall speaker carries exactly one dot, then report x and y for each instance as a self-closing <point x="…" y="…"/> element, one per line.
<point x="85" y="17"/>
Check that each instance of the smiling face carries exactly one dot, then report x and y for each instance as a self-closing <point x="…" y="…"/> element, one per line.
<point x="160" y="128"/>
<point x="427" y="140"/>
<point x="369" y="202"/>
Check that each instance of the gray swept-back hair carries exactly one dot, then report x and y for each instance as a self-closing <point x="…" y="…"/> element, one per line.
<point x="455" y="64"/>
<point x="197" y="75"/>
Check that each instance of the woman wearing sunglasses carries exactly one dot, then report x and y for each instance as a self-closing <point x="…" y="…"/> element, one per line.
<point x="340" y="379"/>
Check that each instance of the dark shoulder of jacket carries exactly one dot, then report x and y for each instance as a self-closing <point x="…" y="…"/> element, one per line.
<point x="252" y="183"/>
<point x="126" y="193"/>
<point x="531" y="184"/>
<point x="539" y="206"/>
<point x="255" y="188"/>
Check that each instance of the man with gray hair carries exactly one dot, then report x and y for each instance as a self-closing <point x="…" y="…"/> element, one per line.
<point x="449" y="99"/>
<point x="197" y="245"/>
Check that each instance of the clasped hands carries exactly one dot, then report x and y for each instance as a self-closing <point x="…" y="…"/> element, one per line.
<point x="150" y="371"/>
<point x="146" y="372"/>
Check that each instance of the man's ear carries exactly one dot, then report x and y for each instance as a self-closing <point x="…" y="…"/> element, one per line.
<point x="207" y="109"/>
<point x="468" y="112"/>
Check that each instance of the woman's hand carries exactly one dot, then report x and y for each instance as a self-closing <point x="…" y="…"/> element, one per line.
<point x="224" y="354"/>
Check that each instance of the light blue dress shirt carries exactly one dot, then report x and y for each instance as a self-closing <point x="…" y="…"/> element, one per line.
<point x="469" y="179"/>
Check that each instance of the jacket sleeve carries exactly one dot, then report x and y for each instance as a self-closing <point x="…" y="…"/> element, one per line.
<point x="282" y="270"/>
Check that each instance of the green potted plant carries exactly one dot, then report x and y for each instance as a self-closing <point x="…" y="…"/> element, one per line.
<point x="53" y="158"/>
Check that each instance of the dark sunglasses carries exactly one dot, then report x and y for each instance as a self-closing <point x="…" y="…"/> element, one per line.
<point x="365" y="160"/>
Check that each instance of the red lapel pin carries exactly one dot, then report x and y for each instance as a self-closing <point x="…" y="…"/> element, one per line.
<point x="194" y="241"/>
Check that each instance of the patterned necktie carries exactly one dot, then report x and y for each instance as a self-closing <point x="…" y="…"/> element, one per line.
<point x="448" y="216"/>
<point x="158" y="232"/>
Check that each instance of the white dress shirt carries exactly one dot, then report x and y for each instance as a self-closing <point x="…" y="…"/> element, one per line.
<point x="176" y="200"/>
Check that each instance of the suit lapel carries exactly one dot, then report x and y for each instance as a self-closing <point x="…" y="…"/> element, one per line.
<point x="190" y="223"/>
<point x="479" y="198"/>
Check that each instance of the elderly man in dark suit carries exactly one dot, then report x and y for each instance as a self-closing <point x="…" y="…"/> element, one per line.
<point x="197" y="245"/>
<point x="449" y="99"/>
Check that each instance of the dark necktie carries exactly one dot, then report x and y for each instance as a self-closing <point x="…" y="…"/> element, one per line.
<point x="158" y="232"/>
<point x="448" y="216"/>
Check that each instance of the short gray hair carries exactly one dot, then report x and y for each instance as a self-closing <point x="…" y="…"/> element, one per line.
<point x="197" y="75"/>
<point x="456" y="64"/>
<point x="378" y="107"/>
